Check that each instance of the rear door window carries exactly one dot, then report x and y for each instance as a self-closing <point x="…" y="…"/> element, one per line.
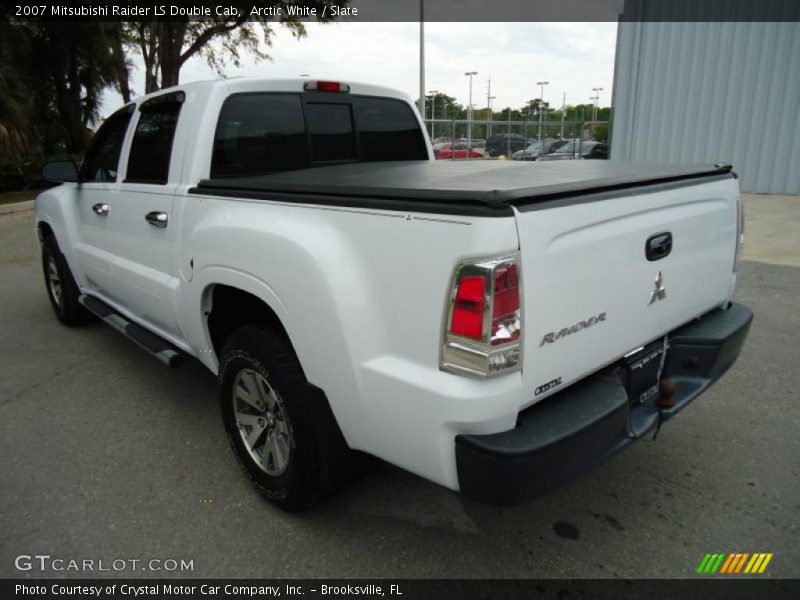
<point x="151" y="148"/>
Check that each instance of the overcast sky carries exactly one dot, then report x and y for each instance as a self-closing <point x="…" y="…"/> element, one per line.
<point x="573" y="57"/>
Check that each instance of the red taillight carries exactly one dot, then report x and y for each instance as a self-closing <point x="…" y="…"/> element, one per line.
<point x="326" y="86"/>
<point x="505" y="307"/>
<point x="482" y="334"/>
<point x="469" y="307"/>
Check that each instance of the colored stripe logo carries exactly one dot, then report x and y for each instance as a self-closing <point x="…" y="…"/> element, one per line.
<point x="734" y="563"/>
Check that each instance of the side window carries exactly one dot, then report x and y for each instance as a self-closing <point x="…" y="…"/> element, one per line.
<point x="102" y="159"/>
<point x="388" y="130"/>
<point x="260" y="133"/>
<point x="151" y="148"/>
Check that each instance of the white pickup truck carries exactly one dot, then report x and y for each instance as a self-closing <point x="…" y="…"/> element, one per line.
<point x="496" y="327"/>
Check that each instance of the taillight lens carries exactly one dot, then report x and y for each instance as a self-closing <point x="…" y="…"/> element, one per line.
<point x="506" y="305"/>
<point x="739" y="234"/>
<point x="469" y="307"/>
<point x="483" y="323"/>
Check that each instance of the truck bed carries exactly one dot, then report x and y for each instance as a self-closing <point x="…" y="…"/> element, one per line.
<point x="484" y="188"/>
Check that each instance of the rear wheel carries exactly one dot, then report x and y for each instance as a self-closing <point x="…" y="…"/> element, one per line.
<point x="264" y="398"/>
<point x="262" y="422"/>
<point x="61" y="287"/>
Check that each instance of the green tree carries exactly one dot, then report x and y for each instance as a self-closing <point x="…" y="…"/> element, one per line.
<point x="73" y="65"/>
<point x="532" y="108"/>
<point x="51" y="79"/>
<point x="445" y="107"/>
<point x="17" y="133"/>
<point x="601" y="133"/>
<point x="509" y="114"/>
<point x="165" y="46"/>
<point x="119" y="37"/>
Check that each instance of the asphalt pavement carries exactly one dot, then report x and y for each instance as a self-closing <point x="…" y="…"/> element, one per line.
<point x="106" y="454"/>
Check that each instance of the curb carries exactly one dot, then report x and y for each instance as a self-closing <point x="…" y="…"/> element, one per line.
<point x="16" y="207"/>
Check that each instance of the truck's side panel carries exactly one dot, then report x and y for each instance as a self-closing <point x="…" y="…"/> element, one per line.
<point x="361" y="295"/>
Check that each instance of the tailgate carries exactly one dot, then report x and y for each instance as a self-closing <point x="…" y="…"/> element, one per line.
<point x="590" y="293"/>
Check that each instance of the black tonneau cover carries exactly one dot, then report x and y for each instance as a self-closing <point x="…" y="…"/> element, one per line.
<point x="487" y="187"/>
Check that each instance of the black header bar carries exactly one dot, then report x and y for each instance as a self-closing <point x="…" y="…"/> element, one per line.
<point x="733" y="588"/>
<point x="411" y="10"/>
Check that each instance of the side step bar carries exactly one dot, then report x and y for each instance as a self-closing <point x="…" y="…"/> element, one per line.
<point x="154" y="344"/>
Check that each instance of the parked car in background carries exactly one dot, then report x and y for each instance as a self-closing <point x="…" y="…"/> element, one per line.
<point x="474" y="143"/>
<point x="505" y="143"/>
<point x="459" y="150"/>
<point x="578" y="149"/>
<point x="537" y="149"/>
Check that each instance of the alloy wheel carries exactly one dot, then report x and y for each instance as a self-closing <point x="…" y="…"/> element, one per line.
<point x="262" y="423"/>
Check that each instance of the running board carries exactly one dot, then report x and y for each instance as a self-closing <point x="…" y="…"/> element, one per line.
<point x="154" y="344"/>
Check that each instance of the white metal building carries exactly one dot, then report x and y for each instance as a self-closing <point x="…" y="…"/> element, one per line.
<point x="712" y="92"/>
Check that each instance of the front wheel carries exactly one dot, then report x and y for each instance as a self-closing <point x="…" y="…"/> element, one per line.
<point x="61" y="287"/>
<point x="264" y="400"/>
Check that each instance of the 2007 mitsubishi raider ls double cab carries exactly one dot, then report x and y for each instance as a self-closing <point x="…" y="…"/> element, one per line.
<point x="496" y="327"/>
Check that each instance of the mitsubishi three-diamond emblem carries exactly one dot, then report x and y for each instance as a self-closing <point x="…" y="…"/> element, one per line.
<point x="660" y="292"/>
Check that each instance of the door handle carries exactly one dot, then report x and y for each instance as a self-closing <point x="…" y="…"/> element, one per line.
<point x="157" y="219"/>
<point x="658" y="246"/>
<point x="100" y="209"/>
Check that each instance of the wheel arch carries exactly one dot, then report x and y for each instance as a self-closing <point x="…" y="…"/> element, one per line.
<point x="227" y="308"/>
<point x="44" y="229"/>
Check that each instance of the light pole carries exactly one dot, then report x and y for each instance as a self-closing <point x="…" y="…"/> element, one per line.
<point x="591" y="126"/>
<point x="489" y="99"/>
<point x="596" y="97"/>
<point x="541" y="104"/>
<point x="469" y="109"/>
<point x="422" y="58"/>
<point x="433" y="111"/>
<point x="563" y="114"/>
<point x="489" y="118"/>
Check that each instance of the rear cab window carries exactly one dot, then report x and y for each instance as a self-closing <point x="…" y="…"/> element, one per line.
<point x="332" y="137"/>
<point x="261" y="133"/>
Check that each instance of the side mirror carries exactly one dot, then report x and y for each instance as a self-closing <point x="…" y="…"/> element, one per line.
<point x="60" y="171"/>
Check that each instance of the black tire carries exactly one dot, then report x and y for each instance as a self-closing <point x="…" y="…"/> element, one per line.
<point x="61" y="287"/>
<point x="264" y="350"/>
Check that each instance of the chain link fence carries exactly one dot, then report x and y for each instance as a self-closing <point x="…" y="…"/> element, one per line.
<point x="500" y="139"/>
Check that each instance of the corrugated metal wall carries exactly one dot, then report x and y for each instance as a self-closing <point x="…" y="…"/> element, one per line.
<point x="711" y="92"/>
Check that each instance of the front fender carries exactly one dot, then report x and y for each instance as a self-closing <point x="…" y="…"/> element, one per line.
<point x="57" y="207"/>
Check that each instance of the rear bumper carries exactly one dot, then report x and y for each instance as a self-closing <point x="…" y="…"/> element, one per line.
<point x="575" y="430"/>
